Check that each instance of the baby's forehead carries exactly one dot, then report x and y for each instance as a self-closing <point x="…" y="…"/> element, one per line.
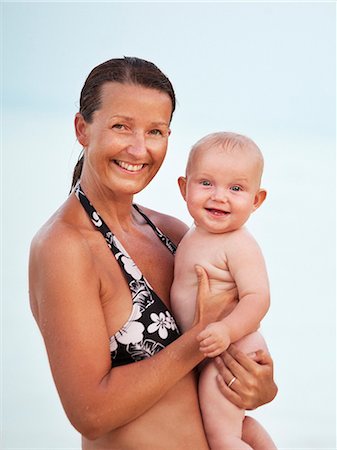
<point x="237" y="148"/>
<point x="247" y="151"/>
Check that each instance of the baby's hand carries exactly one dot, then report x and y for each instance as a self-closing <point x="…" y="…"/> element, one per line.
<point x="214" y="339"/>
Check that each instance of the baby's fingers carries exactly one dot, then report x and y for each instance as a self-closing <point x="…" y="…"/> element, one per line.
<point x="209" y="348"/>
<point x="207" y="341"/>
<point x="205" y="334"/>
<point x="213" y="354"/>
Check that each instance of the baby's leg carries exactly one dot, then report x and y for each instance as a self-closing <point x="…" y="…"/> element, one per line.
<point x="256" y="436"/>
<point x="253" y="433"/>
<point x="222" y="420"/>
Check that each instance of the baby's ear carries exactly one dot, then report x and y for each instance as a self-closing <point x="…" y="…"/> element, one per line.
<point x="182" y="186"/>
<point x="260" y="197"/>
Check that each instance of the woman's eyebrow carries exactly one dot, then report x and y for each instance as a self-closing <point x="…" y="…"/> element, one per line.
<point x="121" y="116"/>
<point x="160" y="123"/>
<point x="130" y="119"/>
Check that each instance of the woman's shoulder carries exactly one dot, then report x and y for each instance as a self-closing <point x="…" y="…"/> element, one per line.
<point x="171" y="226"/>
<point x="61" y="233"/>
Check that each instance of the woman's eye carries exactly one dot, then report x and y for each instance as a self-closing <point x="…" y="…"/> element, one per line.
<point x="205" y="183"/>
<point x="236" y="188"/>
<point x="156" y="132"/>
<point x="118" y="126"/>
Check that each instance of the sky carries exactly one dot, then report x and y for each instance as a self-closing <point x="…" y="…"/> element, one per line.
<point x="264" y="69"/>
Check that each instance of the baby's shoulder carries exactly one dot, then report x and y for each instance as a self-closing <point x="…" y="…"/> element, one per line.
<point x="240" y="233"/>
<point x="240" y="238"/>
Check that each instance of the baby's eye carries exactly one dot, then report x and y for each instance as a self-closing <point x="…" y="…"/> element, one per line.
<point x="205" y="182"/>
<point x="236" y="188"/>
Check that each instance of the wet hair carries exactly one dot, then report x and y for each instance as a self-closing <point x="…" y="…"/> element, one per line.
<point x="229" y="142"/>
<point x="127" y="70"/>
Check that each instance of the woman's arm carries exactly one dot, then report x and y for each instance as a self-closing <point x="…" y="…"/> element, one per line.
<point x="65" y="296"/>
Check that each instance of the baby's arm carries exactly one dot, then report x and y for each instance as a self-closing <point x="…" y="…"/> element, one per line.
<point x="247" y="267"/>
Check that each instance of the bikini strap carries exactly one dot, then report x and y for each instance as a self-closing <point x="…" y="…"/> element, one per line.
<point x="123" y="258"/>
<point x="129" y="268"/>
<point x="164" y="239"/>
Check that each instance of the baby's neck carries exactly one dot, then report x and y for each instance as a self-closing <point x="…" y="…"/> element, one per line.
<point x="202" y="230"/>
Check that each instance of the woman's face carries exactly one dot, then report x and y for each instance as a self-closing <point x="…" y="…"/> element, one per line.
<point x="126" y="142"/>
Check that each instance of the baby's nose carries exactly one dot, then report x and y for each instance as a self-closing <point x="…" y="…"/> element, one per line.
<point x="219" y="194"/>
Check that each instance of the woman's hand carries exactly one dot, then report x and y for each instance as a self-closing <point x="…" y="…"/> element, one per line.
<point x="246" y="380"/>
<point x="211" y="307"/>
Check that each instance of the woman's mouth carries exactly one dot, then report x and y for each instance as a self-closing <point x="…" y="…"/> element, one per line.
<point x="129" y="167"/>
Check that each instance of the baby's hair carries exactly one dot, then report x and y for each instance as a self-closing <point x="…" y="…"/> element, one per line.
<point x="229" y="142"/>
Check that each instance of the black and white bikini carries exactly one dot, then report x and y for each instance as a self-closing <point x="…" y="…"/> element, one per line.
<point x="150" y="327"/>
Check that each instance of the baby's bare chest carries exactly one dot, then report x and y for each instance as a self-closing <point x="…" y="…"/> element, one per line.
<point x="210" y="254"/>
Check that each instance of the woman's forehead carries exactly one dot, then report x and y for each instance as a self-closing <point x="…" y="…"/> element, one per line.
<point x="126" y="99"/>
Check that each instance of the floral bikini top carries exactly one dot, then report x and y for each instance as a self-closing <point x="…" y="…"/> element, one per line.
<point x="150" y="327"/>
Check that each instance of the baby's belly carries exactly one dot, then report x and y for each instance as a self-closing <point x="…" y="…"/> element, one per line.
<point x="183" y="301"/>
<point x="218" y="286"/>
<point x="174" y="422"/>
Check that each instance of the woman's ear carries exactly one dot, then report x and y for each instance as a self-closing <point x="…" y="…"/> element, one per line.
<point x="260" y="197"/>
<point x="182" y="186"/>
<point x="81" y="129"/>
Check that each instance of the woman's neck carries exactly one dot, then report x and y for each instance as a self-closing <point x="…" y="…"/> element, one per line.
<point x="114" y="209"/>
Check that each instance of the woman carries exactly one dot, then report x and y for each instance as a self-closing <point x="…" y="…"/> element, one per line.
<point x="123" y="372"/>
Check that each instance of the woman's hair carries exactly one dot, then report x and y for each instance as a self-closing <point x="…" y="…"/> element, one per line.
<point x="127" y="70"/>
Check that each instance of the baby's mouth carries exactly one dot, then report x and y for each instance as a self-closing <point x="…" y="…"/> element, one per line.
<point x="217" y="212"/>
<point x="128" y="166"/>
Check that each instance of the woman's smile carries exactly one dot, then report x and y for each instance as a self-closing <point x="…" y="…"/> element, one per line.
<point x="128" y="166"/>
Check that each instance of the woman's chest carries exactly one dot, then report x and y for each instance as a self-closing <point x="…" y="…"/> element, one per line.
<point x="127" y="267"/>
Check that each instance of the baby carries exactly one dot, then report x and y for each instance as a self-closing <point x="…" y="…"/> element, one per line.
<point x="222" y="189"/>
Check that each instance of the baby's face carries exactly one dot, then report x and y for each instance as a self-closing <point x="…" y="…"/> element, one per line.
<point x="222" y="188"/>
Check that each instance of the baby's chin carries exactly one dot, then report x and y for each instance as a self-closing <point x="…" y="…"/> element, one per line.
<point x="216" y="229"/>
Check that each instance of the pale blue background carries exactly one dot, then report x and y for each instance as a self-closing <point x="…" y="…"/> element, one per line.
<point x="263" y="69"/>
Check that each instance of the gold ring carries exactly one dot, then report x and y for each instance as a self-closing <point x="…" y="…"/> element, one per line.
<point x="231" y="382"/>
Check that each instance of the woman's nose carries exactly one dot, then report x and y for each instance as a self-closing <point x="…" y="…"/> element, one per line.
<point x="137" y="144"/>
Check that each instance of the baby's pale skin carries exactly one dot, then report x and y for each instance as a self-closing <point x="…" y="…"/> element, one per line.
<point x="225" y="257"/>
<point x="222" y="189"/>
